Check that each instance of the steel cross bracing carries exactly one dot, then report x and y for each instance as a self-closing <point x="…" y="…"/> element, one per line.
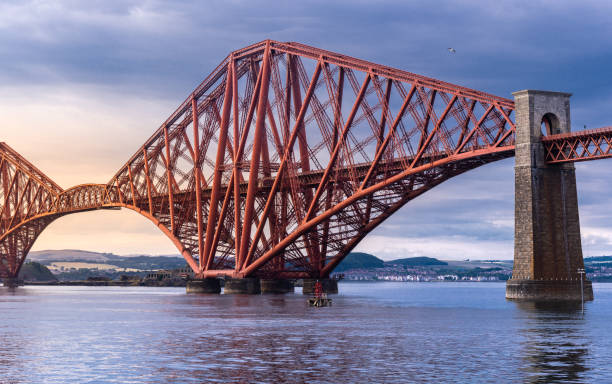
<point x="25" y="192"/>
<point x="287" y="155"/>
<point x="578" y="146"/>
<point x="279" y="163"/>
<point x="307" y="151"/>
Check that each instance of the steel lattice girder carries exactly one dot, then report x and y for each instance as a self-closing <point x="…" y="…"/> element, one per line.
<point x="282" y="160"/>
<point x="25" y="192"/>
<point x="30" y="202"/>
<point x="578" y="146"/>
<point x="308" y="151"/>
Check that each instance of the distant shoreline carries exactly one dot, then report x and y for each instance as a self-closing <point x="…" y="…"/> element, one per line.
<point x="111" y="283"/>
<point x="161" y="285"/>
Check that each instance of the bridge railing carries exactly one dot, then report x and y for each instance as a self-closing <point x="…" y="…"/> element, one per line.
<point x="82" y="197"/>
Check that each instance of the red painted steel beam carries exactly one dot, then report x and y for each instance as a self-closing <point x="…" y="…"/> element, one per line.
<point x="334" y="155"/>
<point x="218" y="172"/>
<point x="308" y="206"/>
<point x="258" y="137"/>
<point x="578" y="146"/>
<point x="289" y="149"/>
<point x="363" y="193"/>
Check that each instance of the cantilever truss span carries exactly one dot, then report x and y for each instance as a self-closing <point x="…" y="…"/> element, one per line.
<point x="283" y="159"/>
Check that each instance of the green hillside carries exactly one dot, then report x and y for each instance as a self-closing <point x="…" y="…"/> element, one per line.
<point x="416" y="261"/>
<point x="359" y="260"/>
<point x="33" y="271"/>
<point x="598" y="259"/>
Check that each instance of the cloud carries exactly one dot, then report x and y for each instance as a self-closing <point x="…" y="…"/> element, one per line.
<point x="75" y="133"/>
<point x="122" y="232"/>
<point x="441" y="247"/>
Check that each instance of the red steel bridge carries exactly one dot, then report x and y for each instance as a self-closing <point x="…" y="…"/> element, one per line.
<point x="282" y="160"/>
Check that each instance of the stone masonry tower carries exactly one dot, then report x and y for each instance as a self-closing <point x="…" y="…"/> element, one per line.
<point x="547" y="247"/>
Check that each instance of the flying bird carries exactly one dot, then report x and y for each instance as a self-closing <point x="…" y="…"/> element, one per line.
<point x="451" y="50"/>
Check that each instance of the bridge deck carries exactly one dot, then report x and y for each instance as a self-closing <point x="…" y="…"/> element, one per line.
<point x="584" y="145"/>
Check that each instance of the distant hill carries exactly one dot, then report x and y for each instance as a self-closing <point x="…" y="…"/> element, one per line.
<point x="85" y="256"/>
<point x="416" y="261"/>
<point x="359" y="260"/>
<point x="142" y="262"/>
<point x="70" y="255"/>
<point x="149" y="262"/>
<point x="598" y="259"/>
<point x="33" y="271"/>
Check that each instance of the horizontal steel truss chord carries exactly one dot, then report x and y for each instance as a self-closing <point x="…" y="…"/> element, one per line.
<point x="578" y="146"/>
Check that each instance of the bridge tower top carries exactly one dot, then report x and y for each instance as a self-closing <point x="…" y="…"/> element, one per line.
<point x="539" y="113"/>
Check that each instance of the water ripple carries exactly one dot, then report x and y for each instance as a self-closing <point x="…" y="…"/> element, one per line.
<point x="374" y="333"/>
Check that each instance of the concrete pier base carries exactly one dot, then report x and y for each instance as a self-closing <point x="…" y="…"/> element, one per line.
<point x="548" y="290"/>
<point x="279" y="286"/>
<point x="10" y="282"/>
<point x="209" y="285"/>
<point x="329" y="286"/>
<point x="247" y="285"/>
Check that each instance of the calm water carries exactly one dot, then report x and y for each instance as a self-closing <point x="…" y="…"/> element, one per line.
<point x="375" y="332"/>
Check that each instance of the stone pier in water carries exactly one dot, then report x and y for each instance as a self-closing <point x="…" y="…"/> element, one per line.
<point x="547" y="247"/>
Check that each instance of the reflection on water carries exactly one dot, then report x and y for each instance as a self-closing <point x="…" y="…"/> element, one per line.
<point x="555" y="344"/>
<point x="374" y="333"/>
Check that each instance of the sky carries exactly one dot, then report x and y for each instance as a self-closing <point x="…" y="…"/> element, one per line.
<point x="84" y="84"/>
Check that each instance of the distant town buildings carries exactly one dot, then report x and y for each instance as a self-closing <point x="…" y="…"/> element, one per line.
<point x="418" y="274"/>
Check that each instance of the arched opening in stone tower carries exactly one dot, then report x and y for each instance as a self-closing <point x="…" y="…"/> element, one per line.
<point x="550" y="124"/>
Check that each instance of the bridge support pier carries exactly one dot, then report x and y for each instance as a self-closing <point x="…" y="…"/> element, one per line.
<point x="547" y="246"/>
<point x="329" y="286"/>
<point x="279" y="286"/>
<point x="247" y="285"/>
<point x="10" y="282"/>
<point x="208" y="285"/>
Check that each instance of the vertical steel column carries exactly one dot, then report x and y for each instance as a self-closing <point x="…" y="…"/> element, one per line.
<point x="254" y="169"/>
<point x="218" y="172"/>
<point x="236" y="169"/>
<point x="148" y="180"/>
<point x="169" y="177"/>
<point x="196" y="172"/>
<point x="311" y="251"/>
<point x="297" y="100"/>
<point x="129" y="168"/>
<point x="285" y="159"/>
<point x="284" y="196"/>
<point x="330" y="188"/>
